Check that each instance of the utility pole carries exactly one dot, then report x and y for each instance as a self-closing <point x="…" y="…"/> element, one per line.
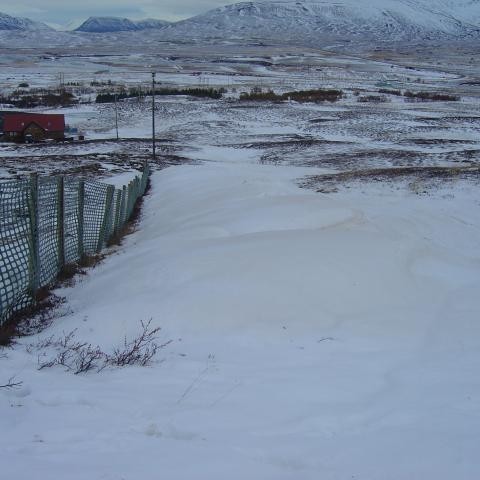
<point x="61" y="81"/>
<point x="153" y="116"/>
<point x="116" y="114"/>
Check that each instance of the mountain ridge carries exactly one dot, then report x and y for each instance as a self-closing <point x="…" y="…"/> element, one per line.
<point x="118" y="24"/>
<point x="308" y="21"/>
<point x="9" y="22"/>
<point x="372" y="20"/>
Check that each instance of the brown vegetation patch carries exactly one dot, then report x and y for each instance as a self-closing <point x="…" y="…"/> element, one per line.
<point x="34" y="318"/>
<point x="321" y="120"/>
<point x="438" y="141"/>
<point x="431" y="96"/>
<point x="328" y="183"/>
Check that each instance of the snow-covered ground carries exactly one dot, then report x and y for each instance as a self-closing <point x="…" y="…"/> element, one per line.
<point x="313" y="337"/>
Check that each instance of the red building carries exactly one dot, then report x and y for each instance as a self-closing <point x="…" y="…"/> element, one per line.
<point x="21" y="127"/>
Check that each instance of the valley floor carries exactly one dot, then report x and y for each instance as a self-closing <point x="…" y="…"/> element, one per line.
<point x="316" y="269"/>
<point x="314" y="336"/>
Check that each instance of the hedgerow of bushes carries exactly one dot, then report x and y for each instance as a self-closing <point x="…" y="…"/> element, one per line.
<point x="109" y="97"/>
<point x="316" y="95"/>
<point x="422" y="96"/>
<point x="41" y="99"/>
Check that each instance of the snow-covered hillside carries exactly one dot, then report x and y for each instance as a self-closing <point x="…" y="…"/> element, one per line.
<point x="7" y="22"/>
<point x="312" y="22"/>
<point x="314" y="337"/>
<point x="116" y="24"/>
<point x="346" y="20"/>
<point x="467" y="11"/>
<point x="107" y="24"/>
<point x="150" y="23"/>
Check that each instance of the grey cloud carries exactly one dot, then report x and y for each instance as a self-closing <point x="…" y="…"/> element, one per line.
<point x="63" y="11"/>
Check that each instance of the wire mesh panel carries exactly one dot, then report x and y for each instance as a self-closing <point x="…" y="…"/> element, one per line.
<point x="71" y="217"/>
<point x="94" y="212"/>
<point x="48" y="241"/>
<point x="15" y="247"/>
<point x="107" y="225"/>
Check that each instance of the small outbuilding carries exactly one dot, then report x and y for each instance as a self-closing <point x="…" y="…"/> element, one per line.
<point x="36" y="127"/>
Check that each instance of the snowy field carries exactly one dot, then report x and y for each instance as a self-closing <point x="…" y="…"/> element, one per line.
<point x="316" y="269"/>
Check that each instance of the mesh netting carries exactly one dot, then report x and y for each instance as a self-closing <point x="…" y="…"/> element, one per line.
<point x="95" y="198"/>
<point x="47" y="229"/>
<point x="47" y="222"/>
<point x="71" y="196"/>
<point x="15" y="247"/>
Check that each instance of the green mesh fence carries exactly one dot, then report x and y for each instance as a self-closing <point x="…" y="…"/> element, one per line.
<point x="71" y="220"/>
<point x="15" y="247"/>
<point x="49" y="222"/>
<point x="47" y="238"/>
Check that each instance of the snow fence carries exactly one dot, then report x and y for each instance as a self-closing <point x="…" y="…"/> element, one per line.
<point x="47" y="223"/>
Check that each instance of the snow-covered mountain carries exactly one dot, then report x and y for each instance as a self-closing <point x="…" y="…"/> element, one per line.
<point x="313" y="22"/>
<point x="107" y="24"/>
<point x="116" y="24"/>
<point x="7" y="22"/>
<point x="151" y="23"/>
<point x="467" y="11"/>
<point x="341" y="20"/>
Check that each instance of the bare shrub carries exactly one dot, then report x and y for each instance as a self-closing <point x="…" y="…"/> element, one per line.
<point x="75" y="356"/>
<point x="81" y="357"/>
<point x="11" y="384"/>
<point x="140" y="350"/>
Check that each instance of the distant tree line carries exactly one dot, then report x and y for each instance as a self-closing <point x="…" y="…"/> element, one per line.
<point x="109" y="97"/>
<point x="315" y="95"/>
<point x="441" y="97"/>
<point x="43" y="99"/>
<point x="422" y="96"/>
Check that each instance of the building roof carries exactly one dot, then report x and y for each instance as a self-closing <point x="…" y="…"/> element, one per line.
<point x="18" y="122"/>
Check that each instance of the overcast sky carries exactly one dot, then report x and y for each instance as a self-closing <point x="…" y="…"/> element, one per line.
<point x="63" y="11"/>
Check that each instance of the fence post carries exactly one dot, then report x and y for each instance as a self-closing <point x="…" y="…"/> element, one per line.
<point x="129" y="203"/>
<point x="133" y="197"/>
<point x="81" y="218"/>
<point x="61" y="222"/>
<point x="104" y="234"/>
<point x="34" y="254"/>
<point x="146" y="173"/>
<point x="123" y="206"/>
<point x="118" y="199"/>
